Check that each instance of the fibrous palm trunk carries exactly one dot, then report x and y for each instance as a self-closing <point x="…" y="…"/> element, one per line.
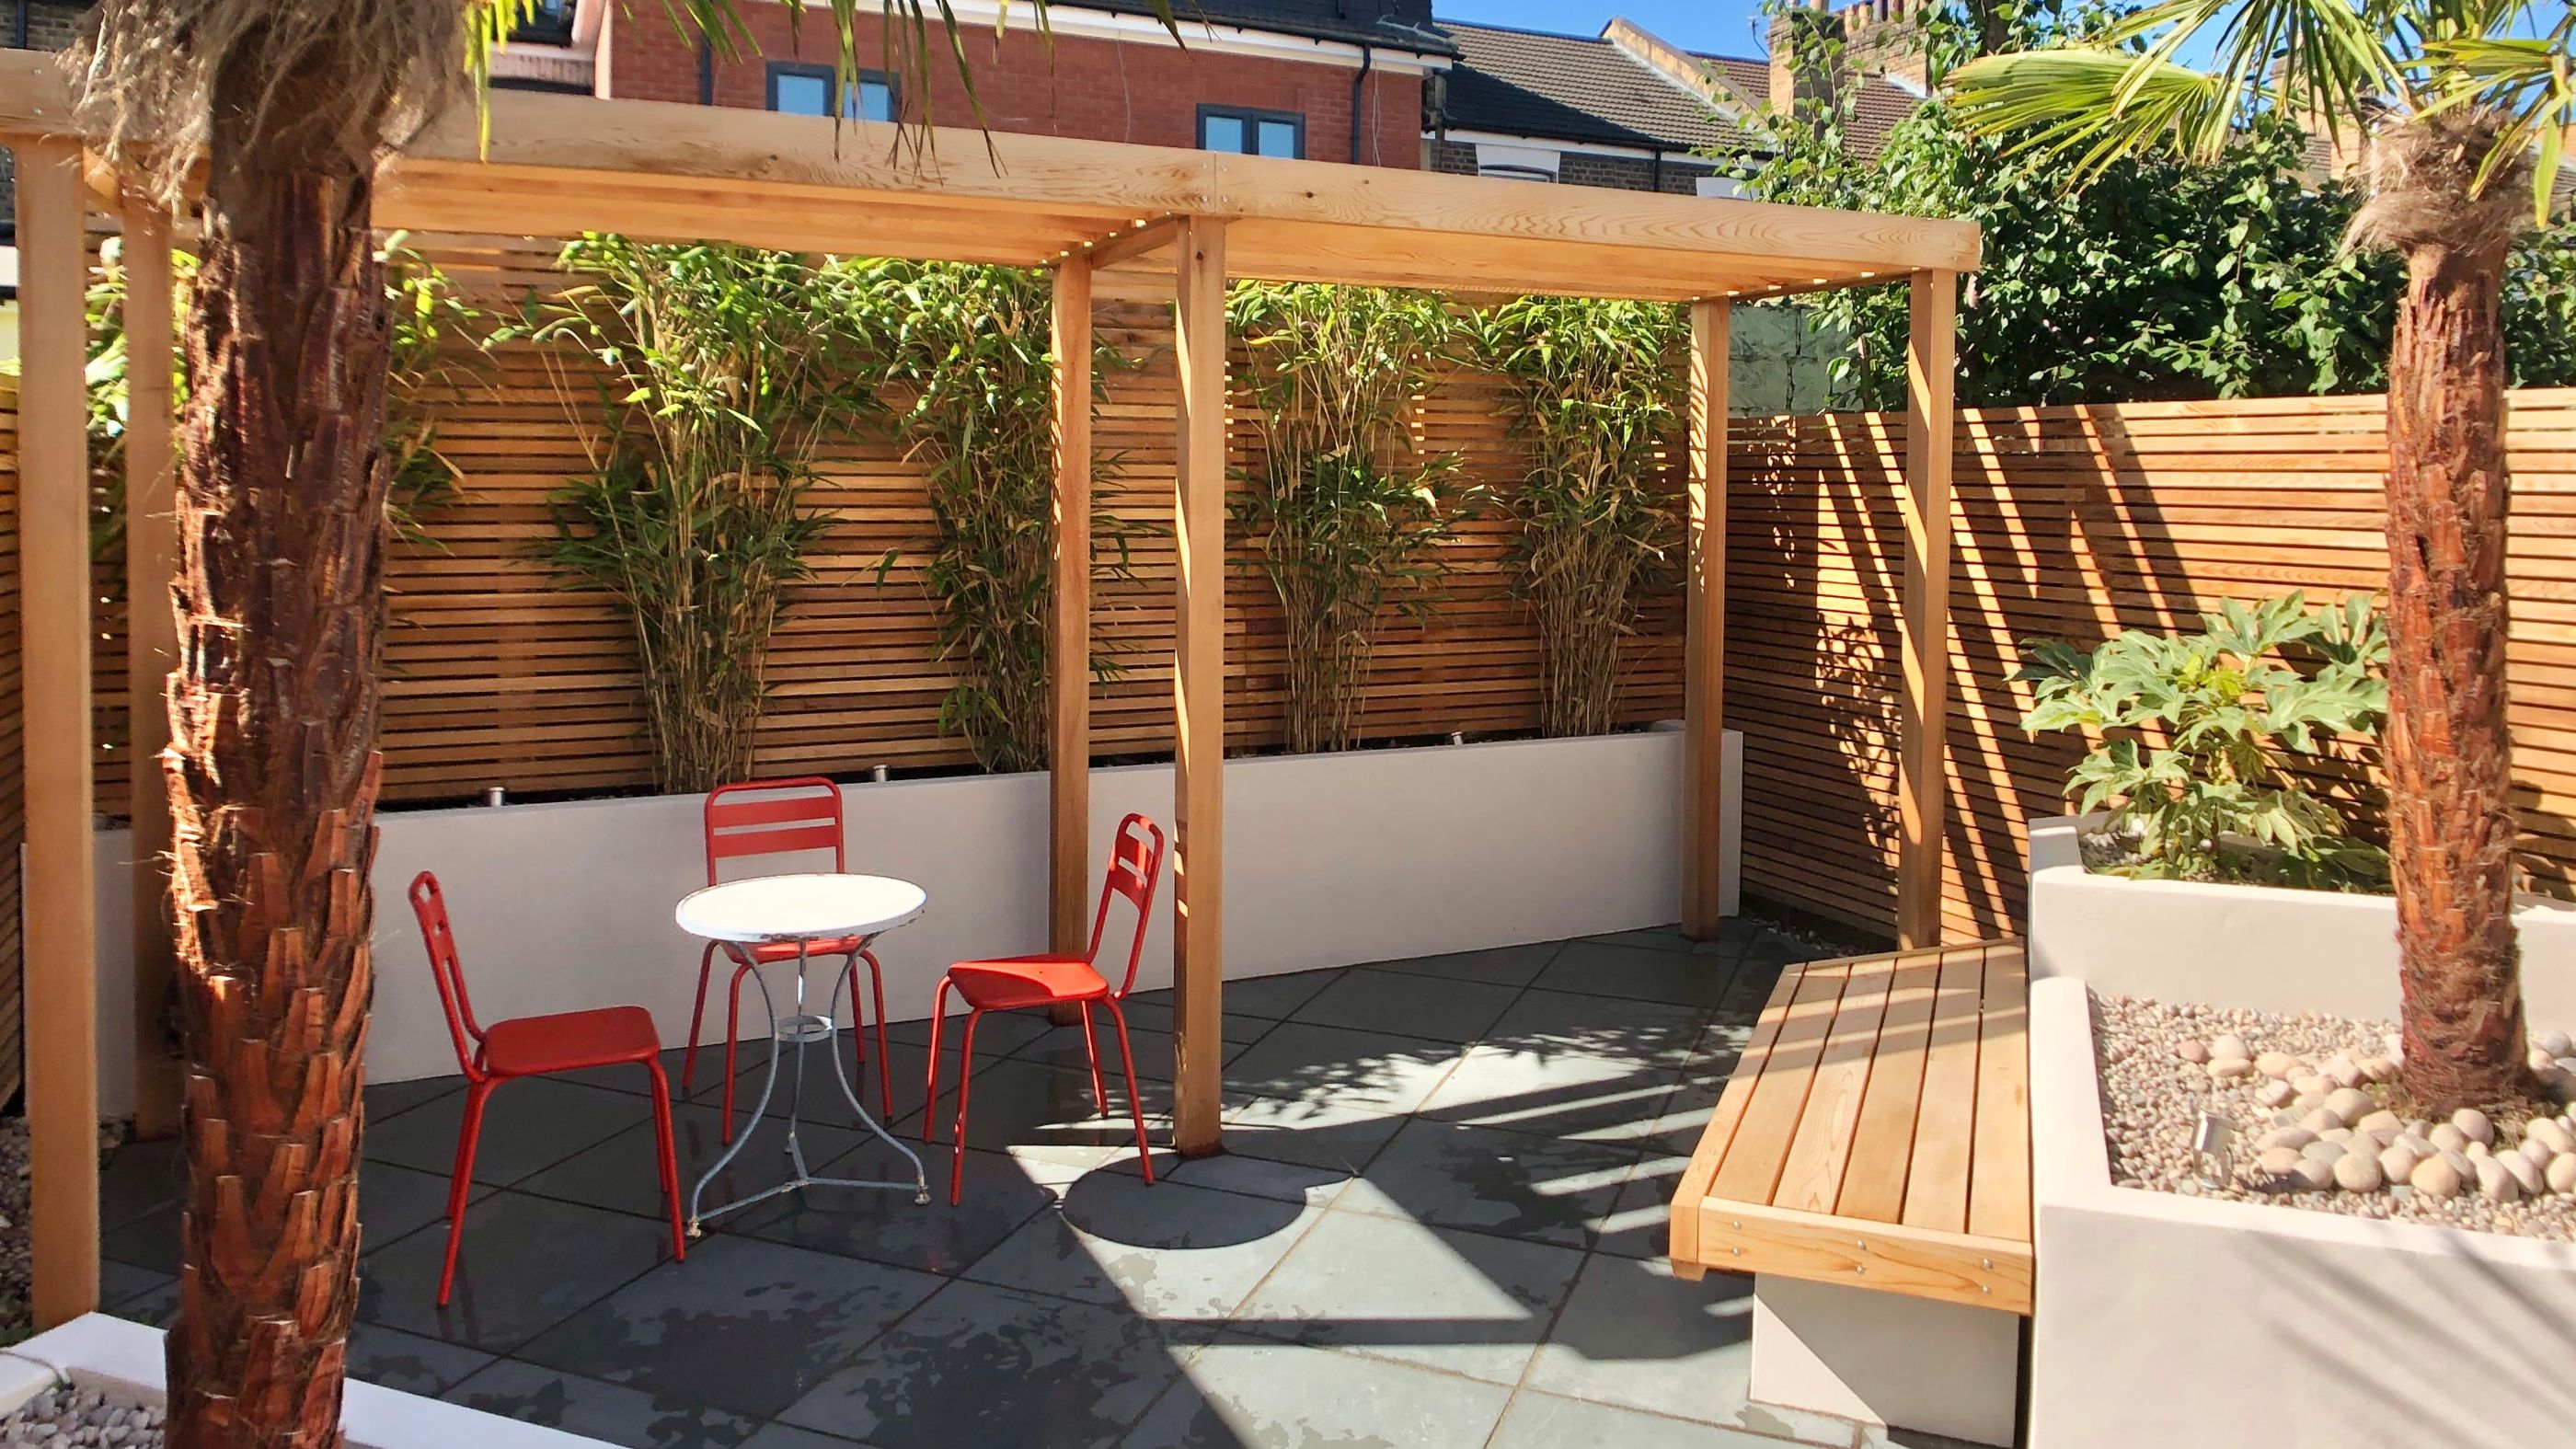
<point x="273" y="773"/>
<point x="2448" y="745"/>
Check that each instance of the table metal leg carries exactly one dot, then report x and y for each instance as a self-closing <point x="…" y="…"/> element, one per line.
<point x="801" y="1028"/>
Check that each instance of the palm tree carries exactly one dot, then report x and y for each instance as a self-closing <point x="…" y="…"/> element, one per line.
<point x="273" y="764"/>
<point x="2455" y="100"/>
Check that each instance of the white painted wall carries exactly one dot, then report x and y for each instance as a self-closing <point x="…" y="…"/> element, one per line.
<point x="2253" y="948"/>
<point x="1330" y="859"/>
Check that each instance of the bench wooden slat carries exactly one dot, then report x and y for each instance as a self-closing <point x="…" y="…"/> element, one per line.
<point x="1719" y="1134"/>
<point x="1950" y="1267"/>
<point x="1812" y="1177"/>
<point x="1936" y="1189"/>
<point x="1883" y="1144"/>
<point x="1751" y="1168"/>
<point x="1999" y="1193"/>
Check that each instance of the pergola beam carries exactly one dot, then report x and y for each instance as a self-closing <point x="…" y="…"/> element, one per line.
<point x="151" y="647"/>
<point x="1198" y="683"/>
<point x="60" y="945"/>
<point x="1140" y="240"/>
<point x="1931" y="343"/>
<point x="1704" y="629"/>
<point x="1069" y="624"/>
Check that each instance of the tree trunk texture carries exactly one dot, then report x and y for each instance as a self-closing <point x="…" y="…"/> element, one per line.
<point x="273" y="776"/>
<point x="2450" y="821"/>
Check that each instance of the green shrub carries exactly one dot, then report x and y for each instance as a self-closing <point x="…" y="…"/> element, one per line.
<point x="2198" y="736"/>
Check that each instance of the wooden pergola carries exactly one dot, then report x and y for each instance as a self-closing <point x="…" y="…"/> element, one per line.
<point x="1188" y="220"/>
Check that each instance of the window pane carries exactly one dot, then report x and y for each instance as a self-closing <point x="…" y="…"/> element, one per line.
<point x="1279" y="138"/>
<point x="874" y="101"/>
<point x="800" y="95"/>
<point x="1221" y="133"/>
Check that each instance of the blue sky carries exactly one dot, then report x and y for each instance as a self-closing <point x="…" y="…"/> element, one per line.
<point x="1729" y="27"/>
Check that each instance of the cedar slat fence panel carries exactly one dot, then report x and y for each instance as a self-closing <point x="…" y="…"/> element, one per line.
<point x="2075" y="522"/>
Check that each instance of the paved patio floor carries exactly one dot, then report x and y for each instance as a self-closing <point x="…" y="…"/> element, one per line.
<point x="1437" y="1224"/>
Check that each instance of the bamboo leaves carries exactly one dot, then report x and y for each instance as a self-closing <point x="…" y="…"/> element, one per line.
<point x="1344" y="508"/>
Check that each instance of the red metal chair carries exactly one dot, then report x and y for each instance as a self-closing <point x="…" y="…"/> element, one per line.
<point x="1030" y="983"/>
<point x="782" y="817"/>
<point x="532" y="1046"/>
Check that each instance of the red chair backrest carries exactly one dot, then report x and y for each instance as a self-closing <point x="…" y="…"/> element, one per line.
<point x="440" y="938"/>
<point x="1135" y="864"/>
<point x="774" y="817"/>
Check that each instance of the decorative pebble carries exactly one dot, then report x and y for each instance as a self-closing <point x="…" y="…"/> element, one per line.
<point x="2473" y="1124"/>
<point x="2350" y="1103"/>
<point x="2561" y="1175"/>
<point x="2343" y="1071"/>
<point x="2373" y="1121"/>
<point x="2310" y="1084"/>
<point x="2277" y="1161"/>
<point x="2313" y="1176"/>
<point x="2551" y="1131"/>
<point x="2557" y="1043"/>
<point x="2276" y="1065"/>
<point x="2230" y="1045"/>
<point x="2293" y="1138"/>
<point x="2396" y="1161"/>
<point x="2525" y="1173"/>
<point x="2448" y="1137"/>
<point x="2228" y="1069"/>
<point x="2358" y="1172"/>
<point x="2495" y="1182"/>
<point x="2379" y="1069"/>
<point x="2274" y="1094"/>
<point x="2193" y="1052"/>
<point x="2435" y="1178"/>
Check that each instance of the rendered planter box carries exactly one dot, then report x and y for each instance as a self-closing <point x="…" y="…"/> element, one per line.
<point x="125" y="1359"/>
<point x="2163" y="1319"/>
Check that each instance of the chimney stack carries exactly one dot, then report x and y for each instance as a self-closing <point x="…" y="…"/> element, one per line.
<point x="1793" y="77"/>
<point x="1878" y="37"/>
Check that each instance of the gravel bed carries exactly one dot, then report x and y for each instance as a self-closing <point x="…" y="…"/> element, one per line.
<point x="17" y="1262"/>
<point x="2310" y="1098"/>
<point x="61" y="1418"/>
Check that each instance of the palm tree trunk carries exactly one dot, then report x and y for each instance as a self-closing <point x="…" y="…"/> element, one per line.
<point x="2451" y="828"/>
<point x="273" y="774"/>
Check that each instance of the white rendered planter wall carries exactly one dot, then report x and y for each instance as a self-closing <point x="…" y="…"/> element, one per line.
<point x="1330" y="859"/>
<point x="2165" y="1320"/>
<point x="100" y="1353"/>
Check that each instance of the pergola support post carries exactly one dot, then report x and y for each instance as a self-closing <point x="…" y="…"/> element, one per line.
<point x="151" y="649"/>
<point x="1923" y="715"/>
<point x="1198" y="685"/>
<point x="60" y="934"/>
<point x="1704" y="631"/>
<point x="1069" y="625"/>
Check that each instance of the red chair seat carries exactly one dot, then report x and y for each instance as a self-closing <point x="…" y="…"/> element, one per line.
<point x="1014" y="983"/>
<point x="786" y="950"/>
<point x="533" y="1045"/>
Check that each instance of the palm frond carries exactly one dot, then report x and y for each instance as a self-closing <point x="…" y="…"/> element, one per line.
<point x="2526" y="80"/>
<point x="2096" y="106"/>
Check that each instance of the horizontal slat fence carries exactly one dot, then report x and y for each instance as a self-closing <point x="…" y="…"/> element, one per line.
<point x="498" y="675"/>
<point x="2074" y="522"/>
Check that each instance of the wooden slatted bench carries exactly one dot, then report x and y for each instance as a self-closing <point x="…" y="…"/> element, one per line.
<point x="1869" y="1165"/>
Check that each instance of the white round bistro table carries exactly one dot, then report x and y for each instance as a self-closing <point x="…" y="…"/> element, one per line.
<point x="803" y="909"/>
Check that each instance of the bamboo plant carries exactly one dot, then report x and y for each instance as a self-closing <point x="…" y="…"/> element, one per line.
<point x="965" y="381"/>
<point x="724" y="370"/>
<point x="1595" y="395"/>
<point x="1345" y="508"/>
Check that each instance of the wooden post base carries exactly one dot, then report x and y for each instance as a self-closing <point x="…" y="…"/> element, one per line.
<point x="1885" y="1359"/>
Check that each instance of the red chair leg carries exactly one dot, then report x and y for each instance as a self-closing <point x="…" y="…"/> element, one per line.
<point x="1135" y="1099"/>
<point x="930" y="1093"/>
<point x="965" y="1080"/>
<point x="670" y="1158"/>
<point x="858" y="1031"/>
<point x="468" y="1135"/>
<point x="885" y="1062"/>
<point x="697" y="1014"/>
<point x="1091" y="1049"/>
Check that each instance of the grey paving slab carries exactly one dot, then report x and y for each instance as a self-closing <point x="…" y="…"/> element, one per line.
<point x="998" y="1035"/>
<point x="1016" y="1103"/>
<point x="1326" y="1133"/>
<point x="788" y="1436"/>
<point x="1276" y="997"/>
<point x="1173" y="1252"/>
<point x="1061" y="1047"/>
<point x="1241" y="1172"/>
<point x="1640" y="1220"/>
<point x="1443" y="1009"/>
<point x="622" y="1173"/>
<point x="1540" y="1188"/>
<point x="1545" y="1421"/>
<point x="392" y="1359"/>
<point x="139" y="1178"/>
<point x="387" y="1100"/>
<point x="887" y="1227"/>
<point x="1368" y="1070"/>
<point x="607" y="1412"/>
<point x="979" y="1364"/>
<point x="1640" y="972"/>
<point x="745" y="1325"/>
<point x="1554" y="1094"/>
<point x="1155" y="1014"/>
<point x="1550" y="1023"/>
<point x="1499" y="965"/>
<point x="1250" y="1394"/>
<point x="528" y="1126"/>
<point x="527" y="1264"/>
<point x="1398" y="1289"/>
<point x="1633" y="1335"/>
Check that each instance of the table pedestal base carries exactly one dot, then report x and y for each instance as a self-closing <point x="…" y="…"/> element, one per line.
<point x="801" y="1028"/>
